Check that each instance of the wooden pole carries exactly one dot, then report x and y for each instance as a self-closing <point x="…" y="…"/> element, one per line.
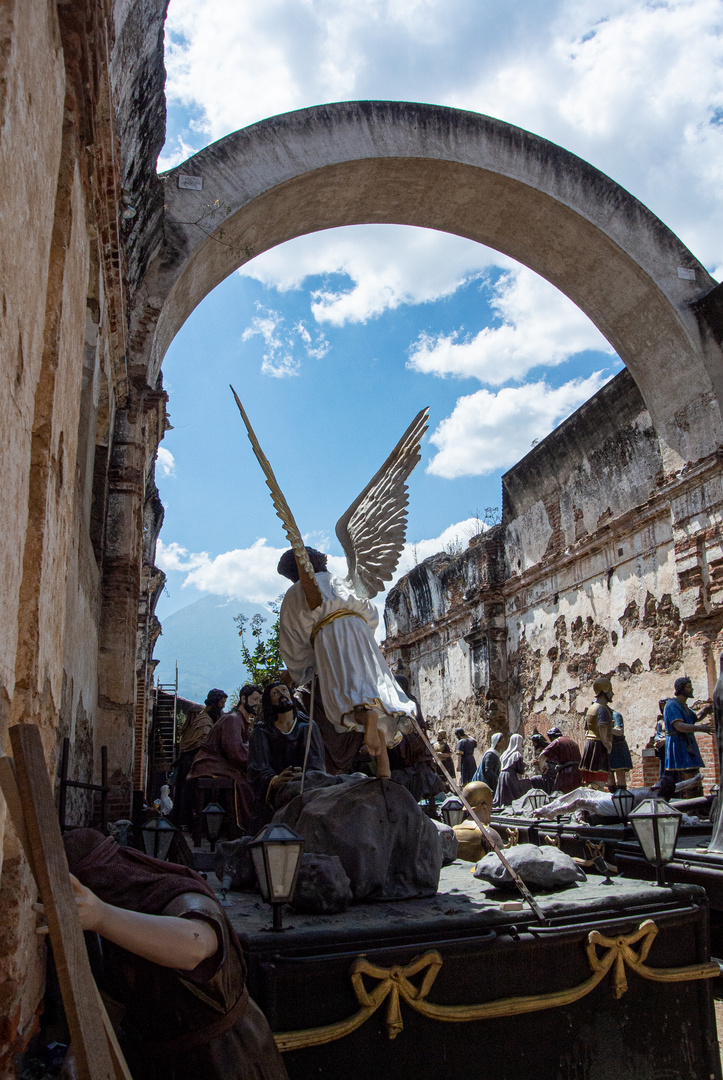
<point x="9" y="788"/>
<point x="90" y="1041"/>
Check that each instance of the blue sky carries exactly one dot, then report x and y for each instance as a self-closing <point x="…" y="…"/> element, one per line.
<point x="334" y="341"/>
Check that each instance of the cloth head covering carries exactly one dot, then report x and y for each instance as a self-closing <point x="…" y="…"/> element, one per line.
<point x="459" y="732"/>
<point x="602" y="686"/>
<point x="125" y="877"/>
<point x="554" y="733"/>
<point x="495" y="740"/>
<point x="512" y="750"/>
<point x="680" y="683"/>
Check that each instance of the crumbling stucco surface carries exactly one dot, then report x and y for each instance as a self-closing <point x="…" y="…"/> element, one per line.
<point x="64" y="381"/>
<point x="603" y="564"/>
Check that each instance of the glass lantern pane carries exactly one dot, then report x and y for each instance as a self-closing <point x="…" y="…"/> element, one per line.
<point x="164" y="842"/>
<point x="644" y="830"/>
<point x="257" y="854"/>
<point x="668" y="835"/>
<point x="282" y="860"/>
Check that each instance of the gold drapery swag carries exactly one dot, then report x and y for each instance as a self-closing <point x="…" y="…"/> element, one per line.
<point x="395" y="984"/>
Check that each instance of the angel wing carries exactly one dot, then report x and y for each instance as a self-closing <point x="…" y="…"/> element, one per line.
<point x="309" y="584"/>
<point x="373" y="530"/>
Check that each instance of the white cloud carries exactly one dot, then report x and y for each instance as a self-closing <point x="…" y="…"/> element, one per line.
<point x="166" y="461"/>
<point x="453" y="539"/>
<point x="539" y="326"/>
<point x="240" y="61"/>
<point x="249" y="574"/>
<point x="632" y="86"/>
<point x="488" y="431"/>
<point x="636" y="88"/>
<point x="170" y="158"/>
<point x="388" y="265"/>
<point x="279" y="357"/>
<point x="245" y="573"/>
<point x="170" y="557"/>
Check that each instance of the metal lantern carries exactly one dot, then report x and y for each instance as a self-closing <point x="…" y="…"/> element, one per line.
<point x="213" y="815"/>
<point x="276" y="853"/>
<point x="452" y="810"/>
<point x="157" y="835"/>
<point x="656" y="826"/>
<point x="535" y="798"/>
<point x="623" y="801"/>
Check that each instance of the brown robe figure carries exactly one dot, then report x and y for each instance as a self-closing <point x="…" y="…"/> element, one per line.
<point x="199" y="724"/>
<point x="225" y="752"/>
<point x="562" y="757"/>
<point x="173" y="1024"/>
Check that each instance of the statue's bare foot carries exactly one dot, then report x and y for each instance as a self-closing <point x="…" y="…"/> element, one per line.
<point x="372" y="738"/>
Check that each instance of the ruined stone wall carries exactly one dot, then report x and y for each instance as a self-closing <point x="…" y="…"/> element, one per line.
<point x="449" y="646"/>
<point x="64" y="384"/>
<point x="603" y="565"/>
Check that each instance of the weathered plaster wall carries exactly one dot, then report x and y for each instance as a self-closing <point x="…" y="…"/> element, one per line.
<point x="602" y="565"/>
<point x="31" y="114"/>
<point x="64" y="382"/>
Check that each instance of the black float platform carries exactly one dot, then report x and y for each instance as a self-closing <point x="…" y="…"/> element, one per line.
<point x="301" y="978"/>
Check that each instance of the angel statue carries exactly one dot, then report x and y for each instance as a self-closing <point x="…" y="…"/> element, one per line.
<point x="327" y="623"/>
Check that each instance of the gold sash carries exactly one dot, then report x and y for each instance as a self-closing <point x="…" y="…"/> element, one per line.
<point x="341" y="613"/>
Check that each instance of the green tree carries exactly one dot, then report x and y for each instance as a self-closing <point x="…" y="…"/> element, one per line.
<point x="263" y="659"/>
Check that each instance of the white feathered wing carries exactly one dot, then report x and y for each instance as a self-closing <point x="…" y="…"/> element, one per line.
<point x="373" y="530"/>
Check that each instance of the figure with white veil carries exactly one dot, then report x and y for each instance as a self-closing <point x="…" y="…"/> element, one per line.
<point x="327" y="623"/>
<point x="512" y="784"/>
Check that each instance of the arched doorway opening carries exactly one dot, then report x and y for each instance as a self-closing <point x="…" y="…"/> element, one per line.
<point x="479" y="178"/>
<point x="459" y="172"/>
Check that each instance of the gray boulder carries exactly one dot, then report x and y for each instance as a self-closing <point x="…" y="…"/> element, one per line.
<point x="322" y="887"/>
<point x="448" y="840"/>
<point x="389" y="848"/>
<point x="544" y="868"/>
<point x="233" y="860"/>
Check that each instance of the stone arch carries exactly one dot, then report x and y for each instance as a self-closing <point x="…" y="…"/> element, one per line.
<point x="459" y="172"/>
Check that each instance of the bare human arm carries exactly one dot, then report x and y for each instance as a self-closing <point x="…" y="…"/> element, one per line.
<point x="681" y="725"/>
<point x="164" y="939"/>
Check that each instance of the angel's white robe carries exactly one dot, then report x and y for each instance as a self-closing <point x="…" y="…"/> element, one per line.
<point x="336" y="641"/>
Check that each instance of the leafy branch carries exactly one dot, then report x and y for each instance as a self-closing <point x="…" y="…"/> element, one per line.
<point x="261" y="655"/>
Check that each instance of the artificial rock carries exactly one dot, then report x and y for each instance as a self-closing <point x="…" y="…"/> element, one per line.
<point x="542" y="868"/>
<point x="388" y="847"/>
<point x="322" y="887"/>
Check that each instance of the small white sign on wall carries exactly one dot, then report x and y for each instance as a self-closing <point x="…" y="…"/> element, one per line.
<point x="192" y="183"/>
<point x="686" y="273"/>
